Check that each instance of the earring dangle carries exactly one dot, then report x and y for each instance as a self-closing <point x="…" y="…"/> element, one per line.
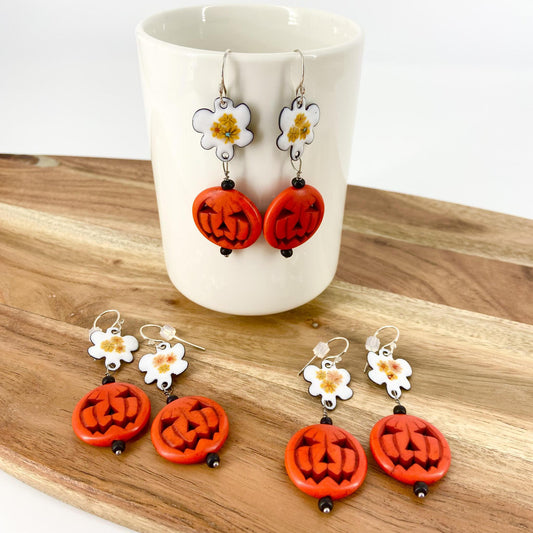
<point x="324" y="460"/>
<point x="296" y="213"/>
<point x="225" y="216"/>
<point x="190" y="429"/>
<point x="112" y="413"/>
<point x="406" y="447"/>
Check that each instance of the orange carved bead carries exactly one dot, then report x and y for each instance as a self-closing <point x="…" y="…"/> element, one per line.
<point x="410" y="449"/>
<point x="189" y="428"/>
<point x="227" y="218"/>
<point x="324" y="460"/>
<point x="116" y="411"/>
<point x="293" y="217"/>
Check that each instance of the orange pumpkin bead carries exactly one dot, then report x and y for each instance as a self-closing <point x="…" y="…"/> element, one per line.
<point x="187" y="429"/>
<point x="410" y="449"/>
<point x="227" y="218"/>
<point x="293" y="217"/>
<point x="115" y="411"/>
<point x="324" y="460"/>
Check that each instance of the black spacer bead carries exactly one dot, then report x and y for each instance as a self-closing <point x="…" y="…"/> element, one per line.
<point x="326" y="420"/>
<point x="212" y="460"/>
<point x="325" y="504"/>
<point x="171" y="398"/>
<point x="225" y="251"/>
<point x="286" y="253"/>
<point x="108" y="379"/>
<point x="298" y="183"/>
<point x="421" y="489"/>
<point x="118" y="446"/>
<point x="228" y="184"/>
<point x="399" y="410"/>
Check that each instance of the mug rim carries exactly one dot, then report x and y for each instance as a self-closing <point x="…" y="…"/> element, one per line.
<point x="357" y="36"/>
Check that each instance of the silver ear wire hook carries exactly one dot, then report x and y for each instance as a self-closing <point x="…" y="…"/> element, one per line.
<point x="373" y="343"/>
<point x="117" y="324"/>
<point x="392" y="344"/>
<point x="300" y="90"/>
<point x="222" y="86"/>
<point x="167" y="333"/>
<point x="338" y="358"/>
<point x="322" y="349"/>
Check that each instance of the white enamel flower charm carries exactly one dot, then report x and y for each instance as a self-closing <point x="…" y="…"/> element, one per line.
<point x="160" y="366"/>
<point x="296" y="124"/>
<point x="392" y="372"/>
<point x="111" y="345"/>
<point x="329" y="382"/>
<point x="224" y="128"/>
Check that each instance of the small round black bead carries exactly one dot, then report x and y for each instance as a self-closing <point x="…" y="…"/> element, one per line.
<point x="399" y="410"/>
<point x="171" y="398"/>
<point x="326" y="420"/>
<point x="325" y="504"/>
<point x="212" y="460"/>
<point x="298" y="183"/>
<point x="108" y="379"/>
<point x="421" y="489"/>
<point x="118" y="446"/>
<point x="225" y="251"/>
<point x="286" y="253"/>
<point x="228" y="184"/>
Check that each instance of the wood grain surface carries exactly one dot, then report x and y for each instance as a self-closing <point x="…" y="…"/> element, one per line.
<point x="80" y="235"/>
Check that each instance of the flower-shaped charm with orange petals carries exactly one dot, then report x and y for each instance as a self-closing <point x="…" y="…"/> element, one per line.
<point x="329" y="382"/>
<point x="392" y="372"/>
<point x="114" y="347"/>
<point x="160" y="366"/>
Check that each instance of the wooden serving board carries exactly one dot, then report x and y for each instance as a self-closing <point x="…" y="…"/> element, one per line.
<point x="80" y="235"/>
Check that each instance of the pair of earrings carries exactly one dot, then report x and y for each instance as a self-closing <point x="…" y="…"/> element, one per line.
<point x="228" y="218"/>
<point x="328" y="463"/>
<point x="187" y="430"/>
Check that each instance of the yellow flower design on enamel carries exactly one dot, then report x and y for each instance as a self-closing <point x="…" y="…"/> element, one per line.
<point x="114" y="344"/>
<point x="163" y="362"/>
<point x="393" y="372"/>
<point x="390" y="368"/>
<point x="321" y="375"/>
<point x="329" y="382"/>
<point x="113" y="347"/>
<point x="328" y="386"/>
<point x="301" y="128"/>
<point x="226" y="128"/>
<point x="162" y="365"/>
<point x="329" y="379"/>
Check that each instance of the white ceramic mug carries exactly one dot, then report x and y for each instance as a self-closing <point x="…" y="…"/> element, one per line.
<point x="181" y="55"/>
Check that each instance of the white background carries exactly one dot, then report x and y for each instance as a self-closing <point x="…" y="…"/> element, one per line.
<point x="445" y="111"/>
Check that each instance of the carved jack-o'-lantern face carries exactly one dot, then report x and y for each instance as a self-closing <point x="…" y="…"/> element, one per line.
<point x="324" y="460"/>
<point x="293" y="217"/>
<point x="227" y="218"/>
<point x="116" y="411"/>
<point x="189" y="428"/>
<point x="410" y="449"/>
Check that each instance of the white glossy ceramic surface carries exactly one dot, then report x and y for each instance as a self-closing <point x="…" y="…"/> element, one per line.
<point x="180" y="59"/>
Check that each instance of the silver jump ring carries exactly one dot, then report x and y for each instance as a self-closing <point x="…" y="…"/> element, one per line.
<point x="299" y="169"/>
